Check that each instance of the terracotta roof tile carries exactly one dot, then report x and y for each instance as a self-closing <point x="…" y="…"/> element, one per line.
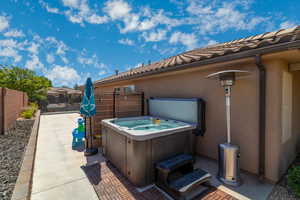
<point x="231" y="47"/>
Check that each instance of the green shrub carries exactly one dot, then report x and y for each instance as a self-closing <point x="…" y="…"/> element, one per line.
<point x="294" y="179"/>
<point x="34" y="106"/>
<point x="29" y="112"/>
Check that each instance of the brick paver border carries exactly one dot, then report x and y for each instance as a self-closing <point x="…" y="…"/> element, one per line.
<point x="23" y="185"/>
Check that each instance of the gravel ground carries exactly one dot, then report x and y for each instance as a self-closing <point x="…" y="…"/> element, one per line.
<point x="281" y="191"/>
<point x="12" y="148"/>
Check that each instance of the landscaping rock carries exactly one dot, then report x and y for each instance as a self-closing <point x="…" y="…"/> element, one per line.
<point x="12" y="147"/>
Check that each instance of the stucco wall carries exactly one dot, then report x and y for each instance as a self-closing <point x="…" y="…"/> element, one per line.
<point x="296" y="108"/>
<point x="282" y="133"/>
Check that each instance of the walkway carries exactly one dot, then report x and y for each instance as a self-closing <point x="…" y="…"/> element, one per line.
<point x="57" y="171"/>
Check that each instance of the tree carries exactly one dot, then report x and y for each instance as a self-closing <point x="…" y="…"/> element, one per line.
<point x="25" y="80"/>
<point x="76" y="87"/>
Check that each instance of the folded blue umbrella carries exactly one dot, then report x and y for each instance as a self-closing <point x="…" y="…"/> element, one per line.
<point x="88" y="109"/>
<point x="88" y="106"/>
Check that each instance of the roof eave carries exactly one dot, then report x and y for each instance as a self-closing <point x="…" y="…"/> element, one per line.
<point x="229" y="57"/>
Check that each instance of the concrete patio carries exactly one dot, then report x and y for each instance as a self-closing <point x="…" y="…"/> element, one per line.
<point x="251" y="188"/>
<point x="57" y="170"/>
<point x="63" y="173"/>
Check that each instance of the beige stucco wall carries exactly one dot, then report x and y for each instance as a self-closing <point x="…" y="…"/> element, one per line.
<point x="281" y="143"/>
<point x="296" y="108"/>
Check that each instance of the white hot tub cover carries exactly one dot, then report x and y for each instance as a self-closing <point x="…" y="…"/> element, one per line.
<point x="191" y="110"/>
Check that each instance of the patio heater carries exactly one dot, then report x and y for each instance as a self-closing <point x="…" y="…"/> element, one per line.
<point x="229" y="154"/>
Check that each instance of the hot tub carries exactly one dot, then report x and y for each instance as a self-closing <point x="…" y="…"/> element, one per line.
<point x="135" y="144"/>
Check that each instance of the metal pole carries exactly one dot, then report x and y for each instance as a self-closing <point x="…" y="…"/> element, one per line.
<point x="85" y="133"/>
<point x="91" y="133"/>
<point x="143" y="103"/>
<point x="228" y="112"/>
<point x="114" y="104"/>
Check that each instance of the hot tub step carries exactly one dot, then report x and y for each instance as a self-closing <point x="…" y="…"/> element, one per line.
<point x="175" y="162"/>
<point x="190" y="181"/>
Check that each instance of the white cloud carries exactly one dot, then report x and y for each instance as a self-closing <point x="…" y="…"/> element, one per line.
<point x="14" y="33"/>
<point x="52" y="10"/>
<point x="102" y="72"/>
<point x="211" y="42"/>
<point x="50" y="58"/>
<point x="34" y="63"/>
<point x="64" y="59"/>
<point x="211" y="17"/>
<point x="4" y="23"/>
<point x="78" y="11"/>
<point x="188" y="40"/>
<point x="92" y="61"/>
<point x="63" y="75"/>
<point x="126" y="41"/>
<point x="145" y="19"/>
<point x="10" y="52"/>
<point x="287" y="24"/>
<point x="9" y="43"/>
<point x="10" y="48"/>
<point x="49" y="8"/>
<point x="61" y="47"/>
<point x="85" y="61"/>
<point x="155" y="36"/>
<point x="117" y="9"/>
<point x="95" y="19"/>
<point x="34" y="48"/>
<point x="134" y="66"/>
<point x="131" y="23"/>
<point x="72" y="3"/>
<point x="198" y="8"/>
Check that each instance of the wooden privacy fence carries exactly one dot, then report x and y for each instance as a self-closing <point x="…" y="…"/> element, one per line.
<point x="11" y="104"/>
<point x="112" y="105"/>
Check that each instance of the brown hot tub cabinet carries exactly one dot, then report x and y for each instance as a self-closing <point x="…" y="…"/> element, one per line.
<point x="135" y="153"/>
<point x="136" y="159"/>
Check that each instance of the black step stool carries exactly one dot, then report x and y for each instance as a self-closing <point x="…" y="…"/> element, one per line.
<point x="179" y="179"/>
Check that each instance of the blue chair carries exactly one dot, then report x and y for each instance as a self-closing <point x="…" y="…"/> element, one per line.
<point x="78" y="134"/>
<point x="78" y="138"/>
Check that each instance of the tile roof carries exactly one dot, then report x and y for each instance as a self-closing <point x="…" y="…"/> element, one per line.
<point x="57" y="90"/>
<point x="250" y="43"/>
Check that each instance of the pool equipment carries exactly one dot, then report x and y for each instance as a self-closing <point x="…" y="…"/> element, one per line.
<point x="229" y="154"/>
<point x="78" y="134"/>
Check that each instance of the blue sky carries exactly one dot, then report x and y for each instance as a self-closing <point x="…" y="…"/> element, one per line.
<point x="70" y="40"/>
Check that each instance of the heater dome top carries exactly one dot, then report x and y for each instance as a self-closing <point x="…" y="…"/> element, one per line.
<point x="227" y="73"/>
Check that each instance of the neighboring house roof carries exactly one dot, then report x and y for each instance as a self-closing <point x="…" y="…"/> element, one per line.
<point x="58" y="90"/>
<point x="264" y="43"/>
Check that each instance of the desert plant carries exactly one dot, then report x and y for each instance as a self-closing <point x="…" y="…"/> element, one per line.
<point x="28" y="113"/>
<point x="294" y="179"/>
<point x="34" y="106"/>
